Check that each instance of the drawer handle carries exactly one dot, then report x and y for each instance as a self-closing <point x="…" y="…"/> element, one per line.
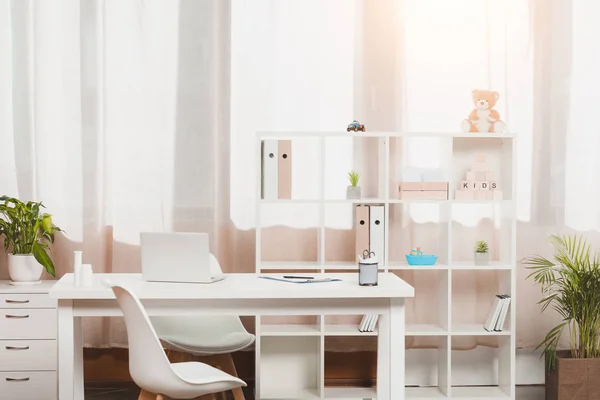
<point x="17" y="379"/>
<point x="16" y="347"/>
<point x="16" y="316"/>
<point x="17" y="301"/>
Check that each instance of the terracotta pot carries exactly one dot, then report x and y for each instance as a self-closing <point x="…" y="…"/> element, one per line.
<point x="24" y="269"/>
<point x="573" y="378"/>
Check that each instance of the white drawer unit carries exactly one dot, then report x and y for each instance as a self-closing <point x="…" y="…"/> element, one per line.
<point x="28" y="347"/>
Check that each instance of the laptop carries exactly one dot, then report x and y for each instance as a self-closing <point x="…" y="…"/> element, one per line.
<point x="178" y="257"/>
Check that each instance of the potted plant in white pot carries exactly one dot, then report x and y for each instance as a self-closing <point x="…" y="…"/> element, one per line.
<point x="353" y="191"/>
<point x="482" y="255"/>
<point x="570" y="286"/>
<point x="26" y="231"/>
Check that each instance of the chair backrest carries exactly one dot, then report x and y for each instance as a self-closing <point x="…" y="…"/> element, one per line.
<point x="148" y="363"/>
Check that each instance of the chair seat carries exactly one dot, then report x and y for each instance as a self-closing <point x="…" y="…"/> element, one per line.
<point x="202" y="335"/>
<point x="196" y="373"/>
<point x="226" y="344"/>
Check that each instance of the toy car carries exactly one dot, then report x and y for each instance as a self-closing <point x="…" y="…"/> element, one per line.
<point x="355" y="126"/>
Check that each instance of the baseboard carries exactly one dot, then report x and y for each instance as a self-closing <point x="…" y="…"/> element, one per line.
<point x="352" y="368"/>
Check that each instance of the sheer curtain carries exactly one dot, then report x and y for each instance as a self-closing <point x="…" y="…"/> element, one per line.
<point x="113" y="114"/>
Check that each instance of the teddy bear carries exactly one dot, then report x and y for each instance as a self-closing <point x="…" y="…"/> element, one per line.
<point x="484" y="118"/>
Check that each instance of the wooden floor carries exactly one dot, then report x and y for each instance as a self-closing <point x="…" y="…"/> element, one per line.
<point x="126" y="391"/>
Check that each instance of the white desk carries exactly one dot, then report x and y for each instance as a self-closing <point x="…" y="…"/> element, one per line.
<point x="239" y="294"/>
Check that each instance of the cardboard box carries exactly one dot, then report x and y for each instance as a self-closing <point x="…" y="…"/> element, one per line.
<point x="424" y="190"/>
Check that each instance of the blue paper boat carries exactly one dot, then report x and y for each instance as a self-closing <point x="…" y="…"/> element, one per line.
<point x="425" y="259"/>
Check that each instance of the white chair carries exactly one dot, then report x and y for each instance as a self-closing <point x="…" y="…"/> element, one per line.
<point x="150" y="368"/>
<point x="205" y="335"/>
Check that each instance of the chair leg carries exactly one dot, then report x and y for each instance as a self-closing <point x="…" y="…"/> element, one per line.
<point x="146" y="395"/>
<point x="228" y="366"/>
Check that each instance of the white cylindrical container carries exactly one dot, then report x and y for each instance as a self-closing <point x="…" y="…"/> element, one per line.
<point x="87" y="276"/>
<point x="368" y="272"/>
<point x="77" y="263"/>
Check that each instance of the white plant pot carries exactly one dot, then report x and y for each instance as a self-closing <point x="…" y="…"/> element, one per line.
<point x="24" y="269"/>
<point x="353" y="192"/>
<point x="482" y="258"/>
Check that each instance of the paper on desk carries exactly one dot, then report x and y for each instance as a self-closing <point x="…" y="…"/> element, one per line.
<point x="316" y="280"/>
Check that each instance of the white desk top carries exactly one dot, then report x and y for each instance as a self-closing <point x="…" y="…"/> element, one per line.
<point x="44" y="287"/>
<point x="236" y="286"/>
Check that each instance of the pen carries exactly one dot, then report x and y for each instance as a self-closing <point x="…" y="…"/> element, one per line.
<point x="297" y="277"/>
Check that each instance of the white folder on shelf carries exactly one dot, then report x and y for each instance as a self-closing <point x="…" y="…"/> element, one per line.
<point x="363" y="322"/>
<point x="270" y="167"/>
<point x="502" y="317"/>
<point x="490" y="323"/>
<point x="373" y="323"/>
<point x="376" y="231"/>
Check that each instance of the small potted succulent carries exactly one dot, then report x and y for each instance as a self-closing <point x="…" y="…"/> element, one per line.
<point x="27" y="232"/>
<point x="353" y="191"/>
<point x="482" y="255"/>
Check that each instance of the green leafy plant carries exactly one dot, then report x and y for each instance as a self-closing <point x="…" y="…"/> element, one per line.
<point x="570" y="284"/>
<point x="353" y="177"/>
<point x="481" y="246"/>
<point x="27" y="230"/>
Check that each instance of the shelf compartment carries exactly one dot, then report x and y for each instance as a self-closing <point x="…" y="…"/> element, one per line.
<point x="279" y="225"/>
<point x="358" y="153"/>
<point x="493" y="373"/>
<point x="478" y="392"/>
<point x="473" y="295"/>
<point x="493" y="223"/>
<point x="421" y="317"/>
<point x="350" y="393"/>
<point x="498" y="152"/>
<point x="424" y="393"/>
<point x="424" y="225"/>
<point x="289" y="367"/>
<point x="425" y="330"/>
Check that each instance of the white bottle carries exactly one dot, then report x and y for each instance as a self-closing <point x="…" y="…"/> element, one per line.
<point x="87" y="277"/>
<point x="77" y="272"/>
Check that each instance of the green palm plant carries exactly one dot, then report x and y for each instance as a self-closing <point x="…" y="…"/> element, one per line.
<point x="26" y="229"/>
<point x="570" y="284"/>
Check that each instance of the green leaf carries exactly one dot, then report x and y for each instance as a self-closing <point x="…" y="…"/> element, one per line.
<point x="43" y="258"/>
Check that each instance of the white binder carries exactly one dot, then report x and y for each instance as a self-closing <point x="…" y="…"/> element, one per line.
<point x="270" y="167"/>
<point x="492" y="318"/>
<point x="502" y="317"/>
<point x="376" y="232"/>
<point x="373" y="323"/>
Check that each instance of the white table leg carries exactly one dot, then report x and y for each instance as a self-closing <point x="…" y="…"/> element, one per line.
<point x="390" y="353"/>
<point x="383" y="358"/>
<point x="397" y="349"/>
<point x="66" y="352"/>
<point x="78" y="393"/>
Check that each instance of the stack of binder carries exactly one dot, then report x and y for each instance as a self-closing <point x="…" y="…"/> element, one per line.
<point x="368" y="323"/>
<point x="497" y="315"/>
<point x="276" y="169"/>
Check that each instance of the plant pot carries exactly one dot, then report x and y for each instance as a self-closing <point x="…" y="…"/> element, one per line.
<point x="353" y="192"/>
<point x="482" y="258"/>
<point x="24" y="269"/>
<point x="573" y="378"/>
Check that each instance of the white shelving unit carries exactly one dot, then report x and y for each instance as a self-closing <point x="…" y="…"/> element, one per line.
<point x="290" y="359"/>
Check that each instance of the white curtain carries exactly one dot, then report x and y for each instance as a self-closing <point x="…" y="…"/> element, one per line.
<point x="114" y="115"/>
<point x="140" y="115"/>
